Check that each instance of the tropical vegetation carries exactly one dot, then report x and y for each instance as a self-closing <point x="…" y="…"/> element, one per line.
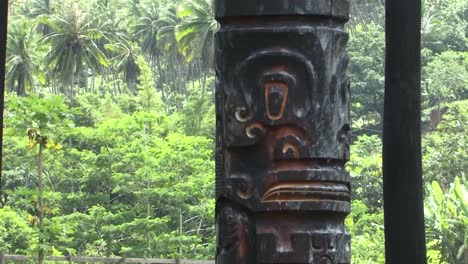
<point x="109" y="129"/>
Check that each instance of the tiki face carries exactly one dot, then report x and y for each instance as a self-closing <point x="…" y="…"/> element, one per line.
<point x="282" y="99"/>
<point x="285" y="123"/>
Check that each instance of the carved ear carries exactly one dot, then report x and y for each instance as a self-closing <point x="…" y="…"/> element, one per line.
<point x="243" y="186"/>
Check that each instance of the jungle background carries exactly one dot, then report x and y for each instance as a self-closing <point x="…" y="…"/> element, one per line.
<point x="122" y="91"/>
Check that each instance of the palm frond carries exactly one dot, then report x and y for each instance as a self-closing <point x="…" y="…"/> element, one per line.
<point x="195" y="33"/>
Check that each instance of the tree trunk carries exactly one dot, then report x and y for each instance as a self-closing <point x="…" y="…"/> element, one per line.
<point x="40" y="258"/>
<point x="21" y="89"/>
<point x="180" y="233"/>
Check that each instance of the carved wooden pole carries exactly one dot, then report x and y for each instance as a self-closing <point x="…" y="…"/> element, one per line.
<point x="282" y="131"/>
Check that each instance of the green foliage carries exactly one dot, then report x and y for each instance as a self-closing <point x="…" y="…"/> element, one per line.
<point x="444" y="25"/>
<point x="45" y="114"/>
<point x="198" y="114"/>
<point x="445" y="148"/>
<point x="447" y="221"/>
<point x="118" y="174"/>
<point x="148" y="95"/>
<point x="447" y="77"/>
<point x="16" y="236"/>
<point x="367" y="234"/>
<point x="366" y="49"/>
<point x="365" y="167"/>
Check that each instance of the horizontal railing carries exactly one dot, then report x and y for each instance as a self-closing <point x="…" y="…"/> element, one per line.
<point x="79" y="259"/>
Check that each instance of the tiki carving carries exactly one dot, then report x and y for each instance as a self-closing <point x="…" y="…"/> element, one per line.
<point x="282" y="100"/>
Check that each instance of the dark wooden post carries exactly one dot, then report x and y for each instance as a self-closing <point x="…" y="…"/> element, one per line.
<point x="403" y="192"/>
<point x="3" y="37"/>
<point x="282" y="100"/>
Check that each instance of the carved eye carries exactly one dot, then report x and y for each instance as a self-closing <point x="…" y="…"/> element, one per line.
<point x="255" y="130"/>
<point x="242" y="115"/>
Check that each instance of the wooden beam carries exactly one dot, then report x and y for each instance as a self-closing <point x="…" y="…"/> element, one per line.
<point x="403" y="188"/>
<point x="3" y="37"/>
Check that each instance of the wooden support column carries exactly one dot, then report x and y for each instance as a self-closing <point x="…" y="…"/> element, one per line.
<point x="282" y="100"/>
<point x="403" y="189"/>
<point x="3" y="38"/>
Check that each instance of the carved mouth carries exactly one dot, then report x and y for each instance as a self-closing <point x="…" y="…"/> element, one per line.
<point x="307" y="191"/>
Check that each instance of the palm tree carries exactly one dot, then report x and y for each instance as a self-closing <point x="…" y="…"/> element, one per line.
<point x="124" y="55"/>
<point x="176" y="69"/>
<point x="167" y="23"/>
<point x="146" y="29"/>
<point x="117" y="44"/>
<point x="195" y="33"/>
<point x="19" y="61"/>
<point x="39" y="9"/>
<point x="74" y="44"/>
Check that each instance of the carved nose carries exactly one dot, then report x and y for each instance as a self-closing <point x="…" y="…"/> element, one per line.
<point x="276" y="94"/>
<point x="276" y="97"/>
